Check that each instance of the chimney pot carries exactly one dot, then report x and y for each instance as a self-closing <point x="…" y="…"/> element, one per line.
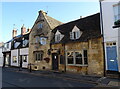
<point x="23" y="30"/>
<point x="14" y="33"/>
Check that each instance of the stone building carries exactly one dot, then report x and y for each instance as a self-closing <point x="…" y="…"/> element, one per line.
<point x="77" y="46"/>
<point x="39" y="42"/>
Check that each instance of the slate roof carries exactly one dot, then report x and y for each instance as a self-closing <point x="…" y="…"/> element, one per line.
<point x="19" y="39"/>
<point x="90" y="26"/>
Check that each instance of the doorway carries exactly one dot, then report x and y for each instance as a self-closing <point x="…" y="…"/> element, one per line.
<point x="54" y="61"/>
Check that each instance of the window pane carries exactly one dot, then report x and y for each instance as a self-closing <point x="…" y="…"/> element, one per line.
<point x="85" y="53"/>
<point x="41" y="55"/>
<point x="40" y="26"/>
<point x="70" y="60"/>
<point x="36" y="56"/>
<point x="85" y="60"/>
<point x="43" y="41"/>
<point x="24" y="58"/>
<point x="70" y="57"/>
<point x="37" y="39"/>
<point x="85" y="57"/>
<point x="14" y="59"/>
<point x="78" y="58"/>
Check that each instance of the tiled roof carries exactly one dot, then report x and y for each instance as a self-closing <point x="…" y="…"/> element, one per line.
<point x="90" y="26"/>
<point x="52" y="22"/>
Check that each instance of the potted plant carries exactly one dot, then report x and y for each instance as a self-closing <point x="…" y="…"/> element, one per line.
<point x="117" y="22"/>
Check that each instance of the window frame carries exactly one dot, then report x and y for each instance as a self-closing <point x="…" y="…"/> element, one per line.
<point x="41" y="40"/>
<point x="74" y="58"/>
<point x="26" y="56"/>
<point x="14" y="61"/>
<point x="40" y="26"/>
<point x="116" y="14"/>
<point x="74" y="35"/>
<point x="38" y="56"/>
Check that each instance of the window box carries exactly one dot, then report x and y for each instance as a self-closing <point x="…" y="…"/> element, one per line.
<point x="116" y="24"/>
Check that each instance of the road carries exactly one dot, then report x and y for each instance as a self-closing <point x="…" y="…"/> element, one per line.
<point x="23" y="80"/>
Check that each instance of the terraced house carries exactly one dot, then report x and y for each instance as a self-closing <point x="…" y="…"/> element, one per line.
<point x="20" y="48"/>
<point x="39" y="42"/>
<point x="77" y="46"/>
<point x="111" y="33"/>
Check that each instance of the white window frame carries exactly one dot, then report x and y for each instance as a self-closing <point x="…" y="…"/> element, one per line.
<point x="25" y="56"/>
<point x="13" y="61"/>
<point x="76" y="33"/>
<point x="43" y="42"/>
<point x="74" y="59"/>
<point x="116" y="9"/>
<point x="58" y="36"/>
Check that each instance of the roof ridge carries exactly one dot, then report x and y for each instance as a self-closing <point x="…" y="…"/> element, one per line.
<point x="48" y="18"/>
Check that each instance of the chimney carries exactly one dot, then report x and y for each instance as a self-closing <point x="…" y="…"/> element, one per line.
<point x="80" y="17"/>
<point x="42" y="12"/>
<point x="23" y="30"/>
<point x="14" y="33"/>
<point x="28" y="30"/>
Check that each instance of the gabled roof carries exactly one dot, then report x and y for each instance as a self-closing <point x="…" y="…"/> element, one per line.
<point x="90" y="26"/>
<point x="52" y="22"/>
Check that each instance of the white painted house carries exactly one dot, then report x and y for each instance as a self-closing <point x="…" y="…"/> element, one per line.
<point x="1" y="57"/>
<point x="20" y="49"/>
<point x="110" y="13"/>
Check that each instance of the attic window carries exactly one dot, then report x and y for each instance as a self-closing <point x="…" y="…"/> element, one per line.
<point x="58" y="36"/>
<point x="40" y="26"/>
<point x="75" y="34"/>
<point x="25" y="42"/>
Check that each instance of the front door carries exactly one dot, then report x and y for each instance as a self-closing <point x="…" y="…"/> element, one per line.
<point x="54" y="61"/>
<point x="112" y="63"/>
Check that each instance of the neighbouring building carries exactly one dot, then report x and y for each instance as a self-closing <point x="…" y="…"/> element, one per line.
<point x="77" y="46"/>
<point x="110" y="24"/>
<point x="39" y="42"/>
<point x="20" y="48"/>
<point x="7" y="53"/>
<point x="1" y="55"/>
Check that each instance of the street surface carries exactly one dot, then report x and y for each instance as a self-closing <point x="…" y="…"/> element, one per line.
<point x="23" y="80"/>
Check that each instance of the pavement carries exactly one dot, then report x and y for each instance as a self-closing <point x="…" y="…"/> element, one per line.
<point x="99" y="81"/>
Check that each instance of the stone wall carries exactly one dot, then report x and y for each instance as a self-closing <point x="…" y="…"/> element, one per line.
<point x="95" y="56"/>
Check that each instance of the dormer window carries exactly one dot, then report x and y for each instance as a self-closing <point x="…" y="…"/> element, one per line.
<point x="75" y="34"/>
<point x="58" y="36"/>
<point x="40" y="26"/>
<point x="25" y="42"/>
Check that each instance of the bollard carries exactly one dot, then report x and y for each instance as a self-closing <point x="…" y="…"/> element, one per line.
<point x="30" y="68"/>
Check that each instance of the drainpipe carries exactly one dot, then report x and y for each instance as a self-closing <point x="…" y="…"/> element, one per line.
<point x="101" y="21"/>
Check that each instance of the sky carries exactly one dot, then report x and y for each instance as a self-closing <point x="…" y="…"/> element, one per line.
<point x="15" y="14"/>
